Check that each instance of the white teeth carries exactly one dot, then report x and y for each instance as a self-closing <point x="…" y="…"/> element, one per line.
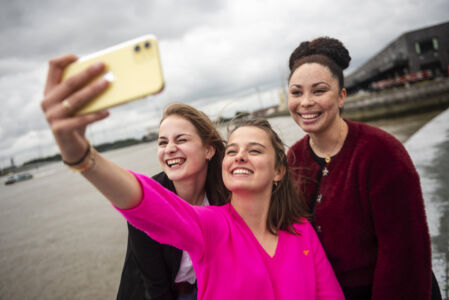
<point x="241" y="171"/>
<point x="309" y="116"/>
<point x="174" y="162"/>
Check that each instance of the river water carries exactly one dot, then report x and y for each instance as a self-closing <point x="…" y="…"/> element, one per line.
<point x="60" y="239"/>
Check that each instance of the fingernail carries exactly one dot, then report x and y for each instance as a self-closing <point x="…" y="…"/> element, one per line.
<point x="105" y="82"/>
<point x="98" y="66"/>
<point x="101" y="83"/>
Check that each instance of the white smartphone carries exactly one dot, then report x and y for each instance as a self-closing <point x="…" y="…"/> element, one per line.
<point x="133" y="69"/>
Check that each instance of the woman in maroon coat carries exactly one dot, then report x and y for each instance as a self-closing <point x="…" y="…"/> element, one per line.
<point x="360" y="183"/>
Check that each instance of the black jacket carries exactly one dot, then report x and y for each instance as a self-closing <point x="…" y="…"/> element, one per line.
<point x="150" y="268"/>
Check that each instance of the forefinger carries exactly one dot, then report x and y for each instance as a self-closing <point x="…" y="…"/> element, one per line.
<point x="56" y="67"/>
<point x="73" y="84"/>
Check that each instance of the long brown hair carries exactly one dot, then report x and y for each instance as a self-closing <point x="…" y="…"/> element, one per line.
<point x="215" y="189"/>
<point x="287" y="206"/>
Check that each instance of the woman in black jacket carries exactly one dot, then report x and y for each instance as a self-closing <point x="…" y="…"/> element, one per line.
<point x="190" y="151"/>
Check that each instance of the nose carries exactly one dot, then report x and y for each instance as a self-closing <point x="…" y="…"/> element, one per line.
<point x="240" y="157"/>
<point x="307" y="100"/>
<point x="171" y="147"/>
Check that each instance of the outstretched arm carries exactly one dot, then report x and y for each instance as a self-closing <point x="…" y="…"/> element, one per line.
<point x="62" y="99"/>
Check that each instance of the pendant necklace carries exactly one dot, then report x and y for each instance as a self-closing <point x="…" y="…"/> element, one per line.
<point x="328" y="157"/>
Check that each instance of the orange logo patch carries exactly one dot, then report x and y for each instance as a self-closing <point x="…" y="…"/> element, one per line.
<point x="306" y="252"/>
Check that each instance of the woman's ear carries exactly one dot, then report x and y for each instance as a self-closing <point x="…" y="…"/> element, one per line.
<point x="341" y="98"/>
<point x="210" y="152"/>
<point x="279" y="173"/>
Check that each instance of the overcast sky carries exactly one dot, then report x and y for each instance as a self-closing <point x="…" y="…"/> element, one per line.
<point x="220" y="56"/>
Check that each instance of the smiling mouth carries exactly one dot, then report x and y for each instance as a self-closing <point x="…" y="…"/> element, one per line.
<point x="242" y="171"/>
<point x="309" y="116"/>
<point x="175" y="162"/>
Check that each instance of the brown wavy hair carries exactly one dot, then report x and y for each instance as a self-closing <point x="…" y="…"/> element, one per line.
<point x="206" y="129"/>
<point x="287" y="205"/>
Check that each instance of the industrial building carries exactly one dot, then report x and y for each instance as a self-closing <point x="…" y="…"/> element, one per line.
<point x="413" y="56"/>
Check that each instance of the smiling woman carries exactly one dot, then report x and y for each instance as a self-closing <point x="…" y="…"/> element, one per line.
<point x="181" y="152"/>
<point x="250" y="165"/>
<point x="359" y="181"/>
<point x="190" y="151"/>
<point x="255" y="160"/>
<point x="258" y="246"/>
<point x="260" y="239"/>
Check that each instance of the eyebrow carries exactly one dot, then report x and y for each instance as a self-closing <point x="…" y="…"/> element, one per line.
<point x="176" y="137"/>
<point x="321" y="82"/>
<point x="313" y="85"/>
<point x="250" y="144"/>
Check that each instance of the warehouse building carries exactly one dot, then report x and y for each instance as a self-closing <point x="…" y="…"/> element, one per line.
<point x="413" y="56"/>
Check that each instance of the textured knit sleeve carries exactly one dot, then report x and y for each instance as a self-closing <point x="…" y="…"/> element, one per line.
<point x="168" y="219"/>
<point x="327" y="286"/>
<point x="403" y="267"/>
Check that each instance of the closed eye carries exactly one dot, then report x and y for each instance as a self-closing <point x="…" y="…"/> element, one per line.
<point x="255" y="151"/>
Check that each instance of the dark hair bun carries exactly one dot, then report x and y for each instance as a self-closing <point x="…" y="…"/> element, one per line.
<point x="332" y="48"/>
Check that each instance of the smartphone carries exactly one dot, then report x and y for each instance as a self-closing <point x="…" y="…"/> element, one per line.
<point x="133" y="69"/>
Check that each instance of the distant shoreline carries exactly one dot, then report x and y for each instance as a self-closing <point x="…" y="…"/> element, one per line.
<point x="423" y="101"/>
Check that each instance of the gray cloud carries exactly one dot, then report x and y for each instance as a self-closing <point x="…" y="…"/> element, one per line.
<point x="52" y="27"/>
<point x="215" y="54"/>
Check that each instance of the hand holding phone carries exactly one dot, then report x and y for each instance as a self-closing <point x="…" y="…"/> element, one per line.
<point x="133" y="69"/>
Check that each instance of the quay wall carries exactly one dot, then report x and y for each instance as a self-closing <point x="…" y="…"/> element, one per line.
<point x="414" y="99"/>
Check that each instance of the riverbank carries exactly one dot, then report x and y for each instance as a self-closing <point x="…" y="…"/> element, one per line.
<point x="429" y="96"/>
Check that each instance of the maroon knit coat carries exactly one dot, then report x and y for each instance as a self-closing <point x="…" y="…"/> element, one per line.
<point x="370" y="217"/>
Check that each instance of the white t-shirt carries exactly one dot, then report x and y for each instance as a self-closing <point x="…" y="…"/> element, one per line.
<point x="186" y="272"/>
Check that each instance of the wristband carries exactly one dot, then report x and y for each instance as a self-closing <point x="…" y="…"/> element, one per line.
<point x="81" y="159"/>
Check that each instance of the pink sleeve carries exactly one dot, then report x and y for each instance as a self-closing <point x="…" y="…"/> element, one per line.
<point x="327" y="286"/>
<point x="167" y="218"/>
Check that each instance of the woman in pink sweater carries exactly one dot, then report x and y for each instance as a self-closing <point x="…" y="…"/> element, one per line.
<point x="258" y="246"/>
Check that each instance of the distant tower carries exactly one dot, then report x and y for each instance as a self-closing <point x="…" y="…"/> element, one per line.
<point x="13" y="165"/>
<point x="282" y="100"/>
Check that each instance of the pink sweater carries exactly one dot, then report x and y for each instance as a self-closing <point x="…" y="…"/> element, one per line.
<point x="227" y="258"/>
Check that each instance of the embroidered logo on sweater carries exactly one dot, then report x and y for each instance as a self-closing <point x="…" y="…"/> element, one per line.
<point x="306" y="252"/>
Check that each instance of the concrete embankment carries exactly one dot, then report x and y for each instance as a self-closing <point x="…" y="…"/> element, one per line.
<point x="426" y="96"/>
<point x="429" y="150"/>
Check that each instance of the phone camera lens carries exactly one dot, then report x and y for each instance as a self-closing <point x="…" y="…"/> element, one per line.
<point x="137" y="48"/>
<point x="147" y="44"/>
